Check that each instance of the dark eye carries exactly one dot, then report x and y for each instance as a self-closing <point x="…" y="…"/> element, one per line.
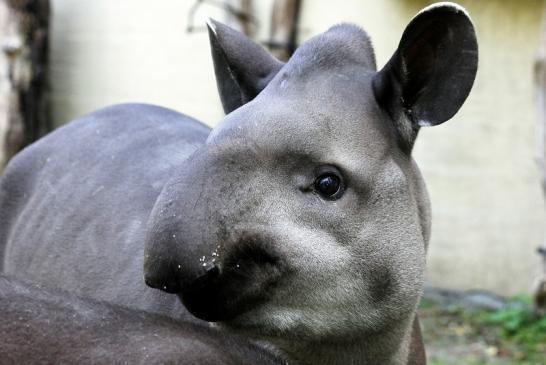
<point x="328" y="185"/>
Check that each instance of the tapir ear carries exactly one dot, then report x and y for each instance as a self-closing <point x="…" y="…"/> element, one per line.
<point x="242" y="67"/>
<point x="431" y="73"/>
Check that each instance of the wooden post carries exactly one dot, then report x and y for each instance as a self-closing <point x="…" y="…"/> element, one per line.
<point x="284" y="28"/>
<point x="246" y="26"/>
<point x="24" y="107"/>
<point x="539" y="291"/>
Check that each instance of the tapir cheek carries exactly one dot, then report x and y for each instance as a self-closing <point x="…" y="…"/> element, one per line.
<point x="383" y="285"/>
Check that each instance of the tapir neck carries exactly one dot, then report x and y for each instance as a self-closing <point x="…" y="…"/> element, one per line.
<point x="392" y="347"/>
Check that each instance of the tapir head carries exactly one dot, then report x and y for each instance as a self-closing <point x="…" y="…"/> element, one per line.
<point x="304" y="213"/>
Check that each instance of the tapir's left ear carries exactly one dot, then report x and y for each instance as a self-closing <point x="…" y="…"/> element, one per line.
<point x="431" y="73"/>
<point x="242" y="67"/>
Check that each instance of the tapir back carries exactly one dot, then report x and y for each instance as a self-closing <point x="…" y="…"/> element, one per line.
<point x="75" y="204"/>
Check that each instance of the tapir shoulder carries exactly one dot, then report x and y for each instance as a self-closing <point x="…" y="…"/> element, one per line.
<point x="102" y="161"/>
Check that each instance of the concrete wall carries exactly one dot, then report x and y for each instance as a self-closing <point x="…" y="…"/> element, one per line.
<point x="488" y="209"/>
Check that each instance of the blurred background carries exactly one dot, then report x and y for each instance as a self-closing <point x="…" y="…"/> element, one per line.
<point x="484" y="169"/>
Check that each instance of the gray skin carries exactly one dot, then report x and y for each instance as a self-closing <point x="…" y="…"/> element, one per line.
<point x="242" y="230"/>
<point x="44" y="326"/>
<point x="75" y="204"/>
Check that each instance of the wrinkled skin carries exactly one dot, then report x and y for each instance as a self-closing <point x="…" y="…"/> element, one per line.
<point x="243" y="230"/>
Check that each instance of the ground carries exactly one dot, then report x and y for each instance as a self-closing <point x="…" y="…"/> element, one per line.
<point x="477" y="328"/>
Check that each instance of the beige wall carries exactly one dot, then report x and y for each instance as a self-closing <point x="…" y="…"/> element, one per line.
<point x="488" y="210"/>
<point x="106" y="52"/>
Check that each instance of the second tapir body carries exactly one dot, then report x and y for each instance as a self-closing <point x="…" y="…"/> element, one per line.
<point x="301" y="220"/>
<point x="44" y="326"/>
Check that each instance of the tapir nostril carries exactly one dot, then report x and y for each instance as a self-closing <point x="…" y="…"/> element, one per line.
<point x="208" y="278"/>
<point x="202" y="296"/>
<point x="214" y="270"/>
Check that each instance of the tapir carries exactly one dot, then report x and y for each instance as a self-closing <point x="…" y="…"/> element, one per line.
<point x="44" y="326"/>
<point x="301" y="220"/>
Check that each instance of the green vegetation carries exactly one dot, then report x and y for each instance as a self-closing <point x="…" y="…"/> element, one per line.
<point x="517" y="325"/>
<point x="512" y="335"/>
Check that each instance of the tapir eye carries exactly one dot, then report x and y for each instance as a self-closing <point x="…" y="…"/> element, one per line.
<point x="329" y="185"/>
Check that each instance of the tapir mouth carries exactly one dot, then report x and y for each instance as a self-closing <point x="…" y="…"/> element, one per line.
<point x="243" y="280"/>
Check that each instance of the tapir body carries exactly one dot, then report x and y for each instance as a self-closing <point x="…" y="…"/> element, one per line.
<point x="301" y="220"/>
<point x="44" y="326"/>
<point x="75" y="204"/>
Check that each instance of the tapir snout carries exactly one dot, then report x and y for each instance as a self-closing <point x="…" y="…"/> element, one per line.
<point x="222" y="270"/>
<point x="220" y="285"/>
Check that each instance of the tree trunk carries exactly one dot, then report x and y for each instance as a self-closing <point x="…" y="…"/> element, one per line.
<point x="284" y="28"/>
<point x="539" y="293"/>
<point x="24" y="107"/>
<point x="246" y="26"/>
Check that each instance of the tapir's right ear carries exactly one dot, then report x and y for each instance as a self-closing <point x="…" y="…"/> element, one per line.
<point x="432" y="72"/>
<point x="242" y="67"/>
